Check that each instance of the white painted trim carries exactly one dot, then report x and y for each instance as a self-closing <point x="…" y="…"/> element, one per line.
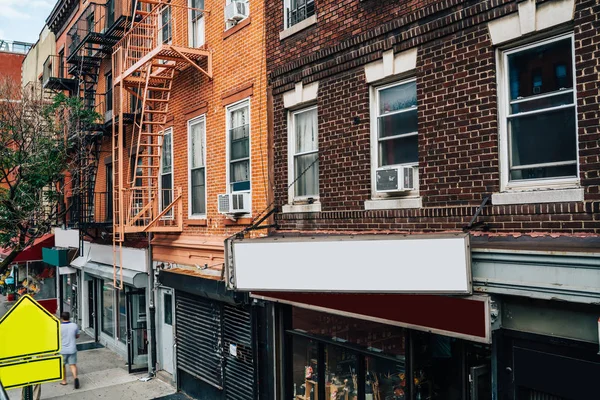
<point x="539" y="196"/>
<point x="301" y="208"/>
<point x="394" y="204"/>
<point x="228" y="109"/>
<point x="374" y="112"/>
<point x="199" y="119"/>
<point x="531" y="18"/>
<point x="292" y="30"/>
<point x="503" y="85"/>
<point x="391" y="65"/>
<point x="291" y="173"/>
<point x="301" y="94"/>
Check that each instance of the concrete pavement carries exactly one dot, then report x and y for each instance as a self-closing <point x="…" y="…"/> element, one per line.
<point x="102" y="375"/>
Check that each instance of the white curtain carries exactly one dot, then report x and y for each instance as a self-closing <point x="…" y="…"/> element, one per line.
<point x="306" y="168"/>
<point x="197" y="145"/>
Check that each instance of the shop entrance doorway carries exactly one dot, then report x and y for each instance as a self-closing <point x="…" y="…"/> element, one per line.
<point x="165" y="327"/>
<point x="137" y="332"/>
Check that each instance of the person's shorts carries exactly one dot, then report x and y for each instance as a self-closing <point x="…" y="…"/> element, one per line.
<point x="70" y="359"/>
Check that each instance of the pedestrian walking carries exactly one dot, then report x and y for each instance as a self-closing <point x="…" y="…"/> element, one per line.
<point x="69" y="333"/>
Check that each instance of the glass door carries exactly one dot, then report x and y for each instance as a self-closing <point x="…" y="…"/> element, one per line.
<point x="137" y="332"/>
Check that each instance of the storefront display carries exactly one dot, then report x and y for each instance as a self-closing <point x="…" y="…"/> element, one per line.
<point x="340" y="358"/>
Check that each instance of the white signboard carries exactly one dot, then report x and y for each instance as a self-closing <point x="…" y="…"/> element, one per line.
<point x="365" y="263"/>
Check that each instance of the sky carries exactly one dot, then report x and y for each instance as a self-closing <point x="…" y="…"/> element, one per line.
<point x="23" y="20"/>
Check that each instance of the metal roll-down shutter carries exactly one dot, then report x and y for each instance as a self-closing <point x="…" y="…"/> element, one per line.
<point x="238" y="353"/>
<point x="198" y="332"/>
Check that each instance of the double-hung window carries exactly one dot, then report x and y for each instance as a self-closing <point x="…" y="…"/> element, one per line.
<point x="297" y="10"/>
<point x="196" y="22"/>
<point x="539" y="128"/>
<point x="304" y="154"/>
<point x="166" y="171"/>
<point x="396" y="126"/>
<point x="197" y="177"/>
<point x="238" y="131"/>
<point x="165" y="34"/>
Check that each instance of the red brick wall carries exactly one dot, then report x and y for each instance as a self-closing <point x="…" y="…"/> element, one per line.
<point x="457" y="103"/>
<point x="10" y="66"/>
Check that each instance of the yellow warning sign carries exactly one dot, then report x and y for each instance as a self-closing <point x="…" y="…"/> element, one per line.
<point x="29" y="341"/>
<point x="28" y="329"/>
<point x="23" y="373"/>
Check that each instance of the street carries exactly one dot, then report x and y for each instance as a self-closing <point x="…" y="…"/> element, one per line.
<point x="103" y="375"/>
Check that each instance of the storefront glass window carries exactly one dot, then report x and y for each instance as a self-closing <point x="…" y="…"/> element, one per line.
<point x="67" y="289"/>
<point x="341" y="379"/>
<point x="304" y="368"/>
<point x="122" y="307"/>
<point x="384" y="379"/>
<point x="437" y="366"/>
<point x="108" y="318"/>
<point x="36" y="279"/>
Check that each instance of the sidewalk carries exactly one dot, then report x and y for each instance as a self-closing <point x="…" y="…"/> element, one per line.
<point x="103" y="375"/>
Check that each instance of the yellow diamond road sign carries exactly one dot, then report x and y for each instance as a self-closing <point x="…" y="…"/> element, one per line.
<point x="29" y="341"/>
<point x="27" y="330"/>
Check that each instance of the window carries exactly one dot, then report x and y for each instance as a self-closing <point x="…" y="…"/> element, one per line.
<point x="166" y="171"/>
<point x="196" y="22"/>
<point x="109" y="192"/>
<point x="197" y="177"/>
<point x="108" y="87"/>
<point x="122" y="320"/>
<point x="238" y="123"/>
<point x="107" y="304"/>
<point x="164" y="31"/>
<point x="539" y="128"/>
<point x="168" y="309"/>
<point x="304" y="154"/>
<point x="297" y="10"/>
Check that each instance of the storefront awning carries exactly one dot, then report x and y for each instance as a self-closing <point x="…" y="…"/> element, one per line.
<point x="33" y="252"/>
<point x="133" y="278"/>
<point x="461" y="317"/>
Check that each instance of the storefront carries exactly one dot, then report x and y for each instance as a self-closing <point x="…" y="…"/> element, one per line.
<point x="30" y="275"/>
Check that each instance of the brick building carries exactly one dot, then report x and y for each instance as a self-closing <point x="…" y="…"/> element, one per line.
<point x="177" y="163"/>
<point x="442" y="159"/>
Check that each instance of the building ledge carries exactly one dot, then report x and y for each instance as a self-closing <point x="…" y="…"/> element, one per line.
<point x="292" y="30"/>
<point x="538" y="196"/>
<point x="394" y="204"/>
<point x="301" y="208"/>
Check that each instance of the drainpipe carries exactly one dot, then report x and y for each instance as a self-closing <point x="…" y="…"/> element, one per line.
<point x="151" y="308"/>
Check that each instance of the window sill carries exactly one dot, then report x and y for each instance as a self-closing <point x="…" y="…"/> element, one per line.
<point x="292" y="30"/>
<point x="394" y="204"/>
<point x="239" y="221"/>
<point x="301" y="208"/>
<point x="236" y="28"/>
<point x="538" y="196"/>
<point x="196" y="222"/>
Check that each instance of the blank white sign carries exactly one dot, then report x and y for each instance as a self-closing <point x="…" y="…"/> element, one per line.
<point x="375" y="263"/>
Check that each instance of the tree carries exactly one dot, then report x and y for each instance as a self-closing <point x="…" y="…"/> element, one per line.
<point x="37" y="135"/>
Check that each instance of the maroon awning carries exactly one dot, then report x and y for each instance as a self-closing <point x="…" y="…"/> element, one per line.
<point x="33" y="252"/>
<point x="463" y="317"/>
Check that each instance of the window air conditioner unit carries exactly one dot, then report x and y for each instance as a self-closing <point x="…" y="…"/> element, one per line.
<point x="395" y="179"/>
<point x="234" y="203"/>
<point x="236" y="11"/>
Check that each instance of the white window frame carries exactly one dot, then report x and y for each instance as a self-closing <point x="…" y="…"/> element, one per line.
<point x="374" y="101"/>
<point x="199" y="119"/>
<point x="192" y="24"/>
<point x="160" y="28"/>
<point x="169" y="214"/>
<point x="292" y="198"/>
<point x="287" y="4"/>
<point x="231" y="24"/>
<point x="228" y="111"/>
<point x="504" y="112"/>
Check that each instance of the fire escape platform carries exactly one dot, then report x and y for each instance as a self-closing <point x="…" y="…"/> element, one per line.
<point x="179" y="58"/>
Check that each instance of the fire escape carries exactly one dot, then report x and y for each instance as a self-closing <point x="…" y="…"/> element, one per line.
<point x="145" y="61"/>
<point x="90" y="41"/>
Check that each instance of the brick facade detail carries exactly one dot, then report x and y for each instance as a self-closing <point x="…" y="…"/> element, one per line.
<point x="457" y="95"/>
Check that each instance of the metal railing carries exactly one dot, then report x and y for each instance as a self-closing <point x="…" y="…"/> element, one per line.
<point x="15" y="47"/>
<point x="84" y="34"/>
<point x="95" y="210"/>
<point x="54" y="67"/>
<point x="165" y="24"/>
<point x="163" y="212"/>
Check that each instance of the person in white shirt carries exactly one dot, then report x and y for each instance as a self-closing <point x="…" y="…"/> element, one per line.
<point x="69" y="333"/>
